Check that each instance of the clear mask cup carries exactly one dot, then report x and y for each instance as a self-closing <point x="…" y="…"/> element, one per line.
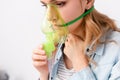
<point x="52" y="31"/>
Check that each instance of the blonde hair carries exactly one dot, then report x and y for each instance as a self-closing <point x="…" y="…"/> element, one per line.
<point x="94" y="26"/>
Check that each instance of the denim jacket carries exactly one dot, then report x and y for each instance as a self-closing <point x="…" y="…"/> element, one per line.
<point x="107" y="57"/>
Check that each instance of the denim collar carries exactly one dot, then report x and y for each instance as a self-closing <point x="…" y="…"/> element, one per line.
<point x="99" y="49"/>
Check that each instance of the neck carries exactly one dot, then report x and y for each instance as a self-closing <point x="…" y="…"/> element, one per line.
<point x="79" y="32"/>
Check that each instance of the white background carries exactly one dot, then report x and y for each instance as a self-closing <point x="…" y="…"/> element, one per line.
<point x="20" y="33"/>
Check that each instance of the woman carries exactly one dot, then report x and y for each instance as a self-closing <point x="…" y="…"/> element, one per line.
<point x="91" y="50"/>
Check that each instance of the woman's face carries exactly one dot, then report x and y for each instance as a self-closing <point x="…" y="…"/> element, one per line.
<point x="69" y="10"/>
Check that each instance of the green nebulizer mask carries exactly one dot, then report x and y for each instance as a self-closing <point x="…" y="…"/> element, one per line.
<point x="52" y="30"/>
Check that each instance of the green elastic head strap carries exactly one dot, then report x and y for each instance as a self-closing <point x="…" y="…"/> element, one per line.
<point x="78" y="18"/>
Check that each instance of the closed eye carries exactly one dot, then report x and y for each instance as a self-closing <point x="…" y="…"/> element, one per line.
<point x="43" y="4"/>
<point x="57" y="3"/>
<point x="60" y="3"/>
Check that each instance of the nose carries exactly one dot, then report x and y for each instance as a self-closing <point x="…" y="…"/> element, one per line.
<point x="52" y="13"/>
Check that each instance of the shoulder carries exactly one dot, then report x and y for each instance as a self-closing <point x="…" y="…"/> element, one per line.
<point x="113" y="47"/>
<point x="113" y="35"/>
<point x="113" y="38"/>
<point x="109" y="52"/>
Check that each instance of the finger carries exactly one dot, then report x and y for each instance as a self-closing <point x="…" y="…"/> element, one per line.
<point x="66" y="44"/>
<point x="69" y="37"/>
<point x="39" y="52"/>
<point x="39" y="57"/>
<point x="64" y="50"/>
<point x="39" y="63"/>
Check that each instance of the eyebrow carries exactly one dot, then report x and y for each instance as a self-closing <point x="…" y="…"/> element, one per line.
<point x="51" y="1"/>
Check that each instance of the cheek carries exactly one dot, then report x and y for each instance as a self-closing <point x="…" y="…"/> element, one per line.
<point x="71" y="12"/>
<point x="69" y="15"/>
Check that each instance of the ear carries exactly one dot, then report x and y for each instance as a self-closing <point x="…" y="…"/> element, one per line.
<point x="89" y="4"/>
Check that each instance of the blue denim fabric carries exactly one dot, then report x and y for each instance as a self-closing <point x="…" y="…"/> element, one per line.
<point x="107" y="57"/>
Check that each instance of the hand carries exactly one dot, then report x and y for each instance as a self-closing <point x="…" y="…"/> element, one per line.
<point x="74" y="50"/>
<point x="40" y="62"/>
